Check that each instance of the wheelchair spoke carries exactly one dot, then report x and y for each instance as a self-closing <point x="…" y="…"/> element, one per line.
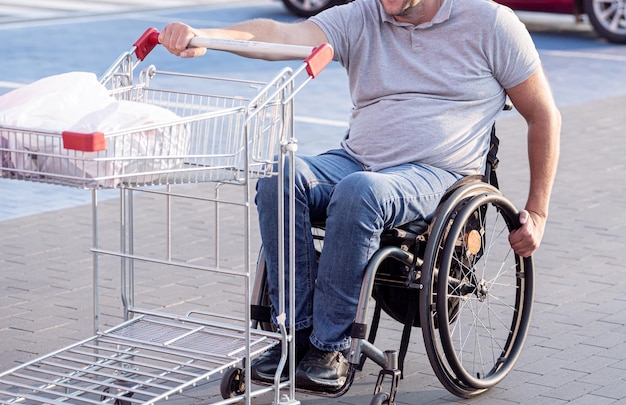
<point x="470" y="334"/>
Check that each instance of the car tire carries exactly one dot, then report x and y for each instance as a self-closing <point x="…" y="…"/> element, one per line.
<point x="608" y="18"/>
<point x="308" y="8"/>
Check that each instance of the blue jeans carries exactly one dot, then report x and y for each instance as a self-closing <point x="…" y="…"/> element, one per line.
<point x="357" y="206"/>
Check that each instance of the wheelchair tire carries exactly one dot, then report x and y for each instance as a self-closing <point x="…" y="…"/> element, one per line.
<point x="260" y="295"/>
<point x="382" y="398"/>
<point x="260" y="290"/>
<point x="477" y="297"/>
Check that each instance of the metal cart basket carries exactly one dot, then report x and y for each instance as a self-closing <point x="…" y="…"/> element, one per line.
<point x="228" y="133"/>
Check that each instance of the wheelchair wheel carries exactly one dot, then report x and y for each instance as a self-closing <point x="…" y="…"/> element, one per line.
<point x="260" y="297"/>
<point x="382" y="398"/>
<point x="477" y="296"/>
<point x="261" y="305"/>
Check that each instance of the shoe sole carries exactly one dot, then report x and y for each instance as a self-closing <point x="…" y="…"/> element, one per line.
<point x="320" y="385"/>
<point x="265" y="378"/>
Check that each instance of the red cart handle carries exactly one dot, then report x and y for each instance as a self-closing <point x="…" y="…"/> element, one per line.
<point x="146" y="43"/>
<point x="319" y="59"/>
<point x="84" y="142"/>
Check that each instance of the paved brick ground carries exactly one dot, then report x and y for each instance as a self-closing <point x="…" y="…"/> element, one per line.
<point x="576" y="350"/>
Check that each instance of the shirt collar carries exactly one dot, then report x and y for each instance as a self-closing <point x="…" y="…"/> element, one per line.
<point x="442" y="15"/>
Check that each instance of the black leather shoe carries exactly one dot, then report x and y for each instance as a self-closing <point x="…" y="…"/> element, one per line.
<point x="322" y="371"/>
<point x="263" y="368"/>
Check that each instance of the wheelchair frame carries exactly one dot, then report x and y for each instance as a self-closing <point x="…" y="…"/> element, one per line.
<point x="457" y="278"/>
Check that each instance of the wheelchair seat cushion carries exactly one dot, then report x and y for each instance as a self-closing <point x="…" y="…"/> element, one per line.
<point x="417" y="227"/>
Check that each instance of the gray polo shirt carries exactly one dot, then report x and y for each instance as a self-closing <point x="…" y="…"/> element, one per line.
<point x="427" y="93"/>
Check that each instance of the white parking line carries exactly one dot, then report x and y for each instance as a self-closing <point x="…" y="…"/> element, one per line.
<point x="10" y="85"/>
<point x="298" y="118"/>
<point x="586" y="55"/>
<point x="321" y="121"/>
<point x="33" y="13"/>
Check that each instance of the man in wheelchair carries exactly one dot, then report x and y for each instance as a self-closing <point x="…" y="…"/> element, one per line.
<point x="427" y="79"/>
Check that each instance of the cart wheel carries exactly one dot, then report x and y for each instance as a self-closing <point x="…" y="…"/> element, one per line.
<point x="117" y="401"/>
<point x="382" y="398"/>
<point x="232" y="383"/>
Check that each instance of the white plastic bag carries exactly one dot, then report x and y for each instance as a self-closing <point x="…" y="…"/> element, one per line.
<point x="77" y="102"/>
<point x="135" y="153"/>
<point x="52" y="104"/>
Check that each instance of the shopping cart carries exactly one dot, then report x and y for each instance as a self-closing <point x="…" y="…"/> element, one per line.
<point x="228" y="133"/>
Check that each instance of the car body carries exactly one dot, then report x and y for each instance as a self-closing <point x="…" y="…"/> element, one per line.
<point x="608" y="17"/>
<point x="307" y="8"/>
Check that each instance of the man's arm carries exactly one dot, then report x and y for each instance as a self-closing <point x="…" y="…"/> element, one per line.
<point x="533" y="99"/>
<point x="176" y="36"/>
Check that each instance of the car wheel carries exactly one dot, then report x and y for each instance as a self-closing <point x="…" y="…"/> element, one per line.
<point x="308" y="8"/>
<point x="608" y="18"/>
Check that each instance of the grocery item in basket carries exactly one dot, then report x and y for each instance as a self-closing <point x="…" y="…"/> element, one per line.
<point x="143" y="141"/>
<point x="52" y="103"/>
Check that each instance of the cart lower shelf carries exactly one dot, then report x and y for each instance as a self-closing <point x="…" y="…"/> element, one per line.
<point x="144" y="360"/>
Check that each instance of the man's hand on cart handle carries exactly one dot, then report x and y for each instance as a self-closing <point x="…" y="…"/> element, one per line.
<point x="176" y="38"/>
<point x="184" y="41"/>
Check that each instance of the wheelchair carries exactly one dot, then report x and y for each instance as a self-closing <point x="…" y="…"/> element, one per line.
<point x="455" y="277"/>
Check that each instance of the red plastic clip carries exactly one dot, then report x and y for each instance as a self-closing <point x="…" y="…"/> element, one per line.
<point x="146" y="43"/>
<point x="319" y="59"/>
<point x="93" y="142"/>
